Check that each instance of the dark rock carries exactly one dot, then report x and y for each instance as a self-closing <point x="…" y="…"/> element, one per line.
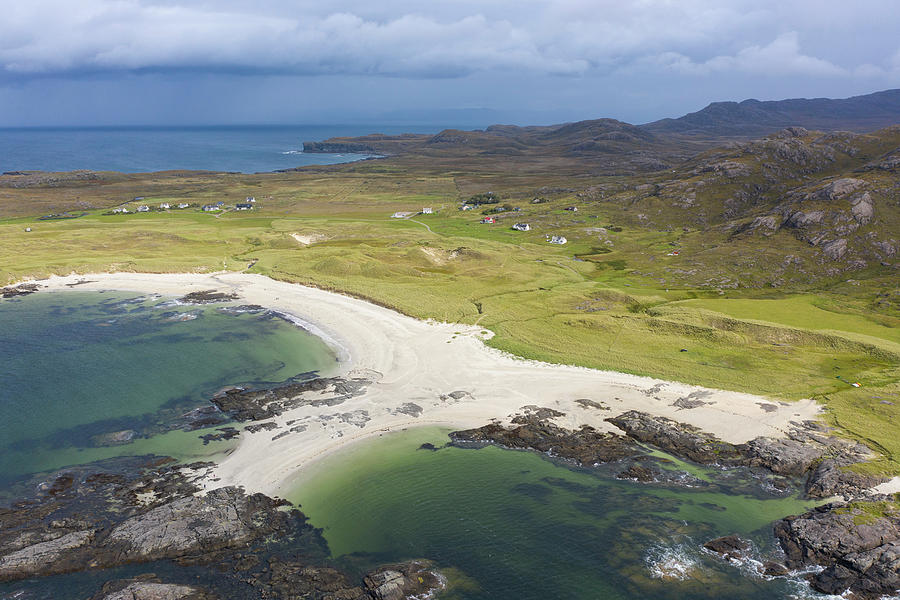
<point x="224" y="433"/>
<point x="428" y="446"/>
<point x="23" y="289"/>
<point x="534" y="431"/>
<point x="258" y="405"/>
<point x="207" y="297"/>
<point x="832" y="478"/>
<point x="781" y="456"/>
<point x="857" y="542"/>
<point x="415" y="579"/>
<point x="637" y="473"/>
<point x="149" y="587"/>
<point x="677" y="438"/>
<point x="267" y="426"/>
<point x="774" y="569"/>
<point x="731" y="547"/>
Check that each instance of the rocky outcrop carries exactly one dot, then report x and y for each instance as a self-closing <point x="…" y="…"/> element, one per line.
<point x="858" y="543"/>
<point x="338" y="148"/>
<point x="808" y="452"/>
<point x="415" y="579"/>
<point x="535" y="431"/>
<point x="258" y="405"/>
<point x="676" y="438"/>
<point x="149" y="587"/>
<point x="127" y="512"/>
<point x="223" y="518"/>
<point x="23" y="289"/>
<point x="207" y="297"/>
<point x="731" y="547"/>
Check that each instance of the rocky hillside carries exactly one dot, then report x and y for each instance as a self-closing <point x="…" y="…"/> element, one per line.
<point x="829" y="201"/>
<point x="611" y="147"/>
<point x="755" y="118"/>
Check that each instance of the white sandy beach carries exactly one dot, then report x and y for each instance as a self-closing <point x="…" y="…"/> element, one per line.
<point x="445" y="369"/>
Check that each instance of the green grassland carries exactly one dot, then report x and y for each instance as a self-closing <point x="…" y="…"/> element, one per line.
<point x="612" y="298"/>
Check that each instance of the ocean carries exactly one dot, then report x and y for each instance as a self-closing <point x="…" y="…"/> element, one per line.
<point x="245" y="149"/>
<point x="80" y="366"/>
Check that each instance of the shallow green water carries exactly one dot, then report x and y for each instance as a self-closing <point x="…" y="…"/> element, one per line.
<point x="81" y="364"/>
<point x="508" y="524"/>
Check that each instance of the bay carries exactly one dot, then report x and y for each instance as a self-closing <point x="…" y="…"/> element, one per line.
<point x="245" y="149"/>
<point x="78" y="366"/>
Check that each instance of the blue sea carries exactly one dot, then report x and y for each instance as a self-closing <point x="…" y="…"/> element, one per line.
<point x="245" y="149"/>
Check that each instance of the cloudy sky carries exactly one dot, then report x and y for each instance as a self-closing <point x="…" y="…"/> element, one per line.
<point x="106" y="62"/>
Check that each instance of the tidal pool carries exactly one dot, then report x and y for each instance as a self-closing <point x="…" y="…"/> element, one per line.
<point x="513" y="524"/>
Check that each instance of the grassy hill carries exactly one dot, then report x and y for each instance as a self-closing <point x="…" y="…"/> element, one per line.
<point x="767" y="266"/>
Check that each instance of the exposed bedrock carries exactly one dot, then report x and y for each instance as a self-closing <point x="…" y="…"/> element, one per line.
<point x="534" y="431"/>
<point x="116" y="513"/>
<point x="858" y="543"/>
<point x="808" y="452"/>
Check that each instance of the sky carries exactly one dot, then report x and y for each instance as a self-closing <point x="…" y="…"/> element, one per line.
<point x="462" y="62"/>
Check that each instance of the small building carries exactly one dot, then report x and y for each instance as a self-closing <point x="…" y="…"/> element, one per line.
<point x="183" y="205"/>
<point x="243" y="206"/>
<point x="220" y="203"/>
<point x="28" y="229"/>
<point x="210" y="207"/>
<point x="487" y="220"/>
<point x="164" y="206"/>
<point x="427" y="211"/>
<point x="251" y="199"/>
<point x="558" y="239"/>
<point x="572" y="208"/>
<point x="120" y="209"/>
<point x="138" y="198"/>
<point x="522" y="227"/>
<point x="143" y="208"/>
<point x="466" y="207"/>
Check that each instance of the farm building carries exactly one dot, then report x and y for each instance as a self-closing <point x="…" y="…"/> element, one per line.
<point x="522" y="227"/>
<point x="164" y="206"/>
<point x="243" y="206"/>
<point x="143" y="208"/>
<point x="558" y="239"/>
<point x="487" y="220"/>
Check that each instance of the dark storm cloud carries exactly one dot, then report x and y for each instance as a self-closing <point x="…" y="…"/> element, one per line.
<point x="640" y="55"/>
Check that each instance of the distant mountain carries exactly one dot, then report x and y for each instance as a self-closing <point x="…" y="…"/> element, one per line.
<point x="608" y="146"/>
<point x="753" y="118"/>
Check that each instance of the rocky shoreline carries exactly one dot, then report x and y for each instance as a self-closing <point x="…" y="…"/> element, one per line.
<point x="108" y="515"/>
<point x="856" y="540"/>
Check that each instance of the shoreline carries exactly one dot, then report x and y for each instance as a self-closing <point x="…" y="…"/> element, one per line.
<point x="443" y="370"/>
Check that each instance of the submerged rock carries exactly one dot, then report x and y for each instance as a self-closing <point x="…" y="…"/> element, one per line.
<point x="415" y="579"/>
<point x="731" y="547"/>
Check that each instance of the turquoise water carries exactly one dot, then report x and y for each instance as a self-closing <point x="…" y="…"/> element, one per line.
<point x="78" y="365"/>
<point x="246" y="149"/>
<point x="508" y="524"/>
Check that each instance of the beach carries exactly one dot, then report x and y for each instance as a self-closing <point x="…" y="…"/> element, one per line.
<point x="436" y="374"/>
